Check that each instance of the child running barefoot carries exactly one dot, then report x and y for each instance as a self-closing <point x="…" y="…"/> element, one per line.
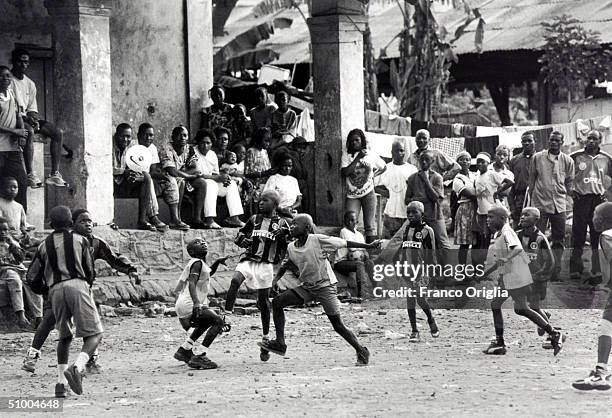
<point x="317" y="283"/>
<point x="507" y="259"/>
<point x="600" y="378"/>
<point x="417" y="246"/>
<point x="265" y="239"/>
<point x="192" y="306"/>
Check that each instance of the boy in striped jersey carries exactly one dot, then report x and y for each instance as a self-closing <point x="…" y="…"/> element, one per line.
<point x="264" y="237"/>
<point x="415" y="244"/>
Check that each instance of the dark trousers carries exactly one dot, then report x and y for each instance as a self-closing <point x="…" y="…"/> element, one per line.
<point x="557" y="235"/>
<point x="11" y="165"/>
<point x="584" y="207"/>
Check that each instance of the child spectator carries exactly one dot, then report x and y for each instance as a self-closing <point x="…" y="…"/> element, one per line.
<point x="12" y="211"/>
<point x="359" y="166"/>
<point x="287" y="187"/>
<point x="11" y="268"/>
<point x="12" y="137"/>
<point x="219" y="113"/>
<point x="464" y="187"/>
<point x="217" y="184"/>
<point x="240" y="127"/>
<point x="257" y="167"/>
<point x="357" y="260"/>
<point x="261" y="115"/>
<point x="426" y="186"/>
<point x="231" y="168"/>
<point x="392" y="185"/>
<point x="306" y="254"/>
<point x="284" y="121"/>
<point x="264" y="237"/>
<point x="500" y="165"/>
<point x="220" y="146"/>
<point x="508" y="262"/>
<point x="541" y="261"/>
<point x="192" y="306"/>
<point x="240" y="152"/>
<point x="415" y="244"/>
<point x="64" y="260"/>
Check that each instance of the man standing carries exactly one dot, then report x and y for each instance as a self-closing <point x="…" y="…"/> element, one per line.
<point x="592" y="165"/>
<point x="442" y="164"/>
<point x="25" y="94"/>
<point x="551" y="179"/>
<point x="520" y="166"/>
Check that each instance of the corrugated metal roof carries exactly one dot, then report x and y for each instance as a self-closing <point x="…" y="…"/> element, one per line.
<point x="510" y="25"/>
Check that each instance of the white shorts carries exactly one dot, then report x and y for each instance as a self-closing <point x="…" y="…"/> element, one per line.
<point x="257" y="275"/>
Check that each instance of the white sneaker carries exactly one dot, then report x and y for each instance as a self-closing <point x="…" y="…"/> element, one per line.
<point x="599" y="379"/>
<point x="56" y="179"/>
<point x="34" y="182"/>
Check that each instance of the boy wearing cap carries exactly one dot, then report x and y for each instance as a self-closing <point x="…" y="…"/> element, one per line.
<point x="600" y="378"/>
<point x="508" y="261"/>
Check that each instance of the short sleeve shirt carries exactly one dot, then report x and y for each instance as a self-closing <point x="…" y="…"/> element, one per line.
<point x="463" y="182"/>
<point x="416" y="191"/>
<point x="168" y="157"/>
<point x="361" y="181"/>
<point x="207" y="164"/>
<point x="394" y="179"/>
<point x="348" y="235"/>
<point x="486" y="186"/>
<point x="8" y="119"/>
<point x="25" y="94"/>
<point x="441" y="164"/>
<point x="184" y="303"/>
<point x="286" y="186"/>
<point x="14" y="214"/>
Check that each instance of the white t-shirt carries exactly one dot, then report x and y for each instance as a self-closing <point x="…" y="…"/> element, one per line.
<point x="184" y="303"/>
<point x="14" y="214"/>
<point x="486" y="186"/>
<point x="208" y="164"/>
<point x="25" y="94"/>
<point x="286" y="186"/>
<point x="361" y="182"/>
<point x="394" y="179"/>
<point x="8" y="119"/>
<point x="348" y="235"/>
<point x="463" y="182"/>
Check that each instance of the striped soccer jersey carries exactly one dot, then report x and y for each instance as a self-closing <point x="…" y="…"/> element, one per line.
<point x="265" y="246"/>
<point x="538" y="250"/>
<point x="418" y="245"/>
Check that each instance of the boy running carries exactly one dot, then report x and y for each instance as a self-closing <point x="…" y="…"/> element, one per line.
<point x="417" y="245"/>
<point x="600" y="378"/>
<point x="264" y="237"/>
<point x="100" y="250"/>
<point x="507" y="259"/>
<point x="192" y="306"/>
<point x="307" y="254"/>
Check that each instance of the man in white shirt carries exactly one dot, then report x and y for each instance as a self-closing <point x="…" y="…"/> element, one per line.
<point x="25" y="94"/>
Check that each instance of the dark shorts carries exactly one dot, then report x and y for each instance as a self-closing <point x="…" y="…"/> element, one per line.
<point x="326" y="296"/>
<point x="72" y="300"/>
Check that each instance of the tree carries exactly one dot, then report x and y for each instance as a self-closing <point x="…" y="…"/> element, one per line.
<point x="573" y="57"/>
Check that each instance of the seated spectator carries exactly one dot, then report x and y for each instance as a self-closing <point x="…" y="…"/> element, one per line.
<point x="25" y="95"/>
<point x="217" y="184"/>
<point x="349" y="260"/>
<point x="287" y="187"/>
<point x="392" y="184"/>
<point x="219" y="113"/>
<point x="220" y="146"/>
<point x="284" y="121"/>
<point x="164" y="187"/>
<point x="240" y="127"/>
<point x="129" y="184"/>
<point x="231" y="168"/>
<point x="12" y="137"/>
<point x="261" y="115"/>
<point x="257" y="167"/>
<point x="14" y="213"/>
<point x="240" y="152"/>
<point x="11" y="269"/>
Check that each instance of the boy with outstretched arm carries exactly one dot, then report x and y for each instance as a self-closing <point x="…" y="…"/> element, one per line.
<point x="264" y="237"/>
<point x="192" y="306"/>
<point x="83" y="225"/>
<point x="307" y="254"/>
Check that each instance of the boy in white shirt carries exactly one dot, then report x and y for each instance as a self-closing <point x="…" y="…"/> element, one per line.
<point x="286" y="186"/>
<point x="392" y="184"/>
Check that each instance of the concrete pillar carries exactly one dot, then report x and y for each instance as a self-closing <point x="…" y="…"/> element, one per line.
<point x="199" y="50"/>
<point x="337" y="61"/>
<point x="82" y="102"/>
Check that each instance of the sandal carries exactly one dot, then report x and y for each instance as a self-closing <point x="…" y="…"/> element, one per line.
<point x="146" y="226"/>
<point x="182" y="226"/>
<point x="212" y="225"/>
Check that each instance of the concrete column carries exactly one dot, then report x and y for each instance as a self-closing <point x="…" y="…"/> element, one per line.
<point x="199" y="50"/>
<point x="337" y="61"/>
<point x="82" y="102"/>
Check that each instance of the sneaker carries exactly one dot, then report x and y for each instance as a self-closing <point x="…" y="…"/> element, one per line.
<point x="599" y="379"/>
<point x="547" y="344"/>
<point x="201" y="362"/>
<point x="75" y="380"/>
<point x="92" y="366"/>
<point x="557" y="340"/>
<point x="34" y="182"/>
<point x="56" y="179"/>
<point x="363" y="357"/>
<point x="274" y="347"/>
<point x="495" y="348"/>
<point x="227" y="326"/>
<point x="61" y="391"/>
<point x="433" y="328"/>
<point x="183" y="355"/>
<point x="415" y="337"/>
<point x="264" y="355"/>
<point x="29" y="363"/>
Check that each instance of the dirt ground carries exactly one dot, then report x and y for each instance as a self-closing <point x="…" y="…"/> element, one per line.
<point x="448" y="376"/>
